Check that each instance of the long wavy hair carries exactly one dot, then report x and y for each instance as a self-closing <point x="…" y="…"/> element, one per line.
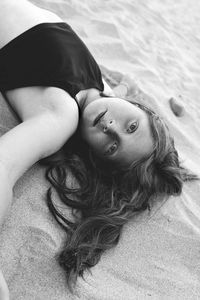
<point x="104" y="197"/>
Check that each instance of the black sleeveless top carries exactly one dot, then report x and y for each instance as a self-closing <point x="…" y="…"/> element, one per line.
<point x="49" y="54"/>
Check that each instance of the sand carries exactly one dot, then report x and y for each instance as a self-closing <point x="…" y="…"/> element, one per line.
<point x="158" y="256"/>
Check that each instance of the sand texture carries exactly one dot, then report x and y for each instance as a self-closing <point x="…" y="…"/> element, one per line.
<point x="158" y="256"/>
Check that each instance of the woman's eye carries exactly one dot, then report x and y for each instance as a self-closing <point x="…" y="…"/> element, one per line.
<point x="132" y="127"/>
<point x="111" y="149"/>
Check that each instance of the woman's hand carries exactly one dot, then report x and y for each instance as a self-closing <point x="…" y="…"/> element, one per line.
<point x="127" y="86"/>
<point x="4" y="292"/>
<point x="130" y="84"/>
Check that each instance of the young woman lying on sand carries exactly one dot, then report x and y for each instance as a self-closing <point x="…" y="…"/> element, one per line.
<point x="121" y="153"/>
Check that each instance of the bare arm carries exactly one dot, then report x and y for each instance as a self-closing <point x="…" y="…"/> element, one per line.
<point x="35" y="138"/>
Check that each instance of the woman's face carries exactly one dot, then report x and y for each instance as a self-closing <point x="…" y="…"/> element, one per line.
<point x="117" y="130"/>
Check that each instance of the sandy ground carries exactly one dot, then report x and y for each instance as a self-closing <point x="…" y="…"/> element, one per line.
<point x="158" y="257"/>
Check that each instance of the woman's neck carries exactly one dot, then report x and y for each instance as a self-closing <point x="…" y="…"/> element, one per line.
<point x="85" y="97"/>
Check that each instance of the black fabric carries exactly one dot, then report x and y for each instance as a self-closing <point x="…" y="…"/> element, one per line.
<point x="49" y="54"/>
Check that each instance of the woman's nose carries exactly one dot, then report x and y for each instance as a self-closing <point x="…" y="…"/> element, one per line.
<point x="108" y="126"/>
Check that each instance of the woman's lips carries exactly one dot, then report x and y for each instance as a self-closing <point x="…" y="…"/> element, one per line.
<point x="99" y="117"/>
